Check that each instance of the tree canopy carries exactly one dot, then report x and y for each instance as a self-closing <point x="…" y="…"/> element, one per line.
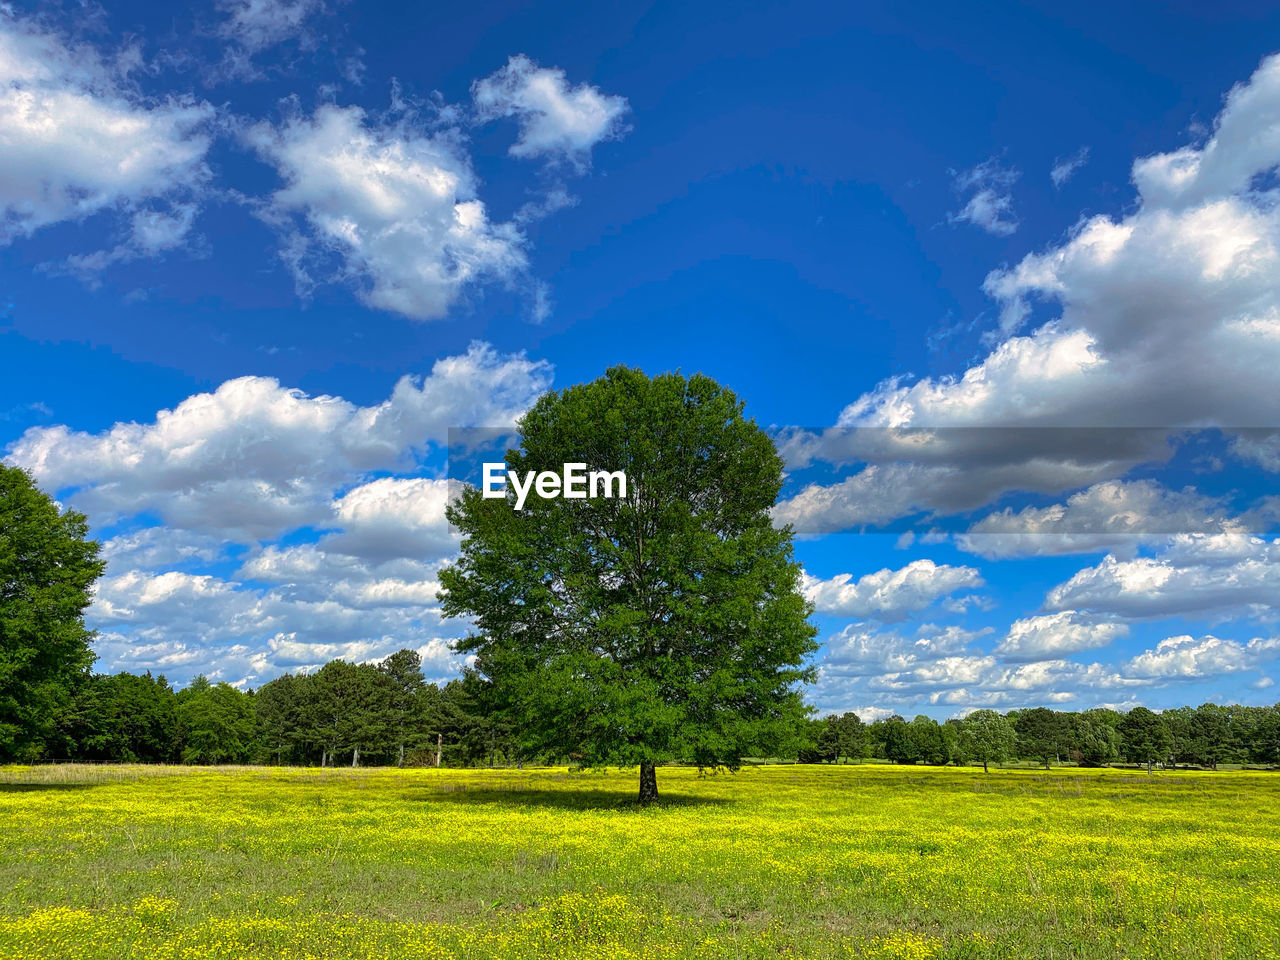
<point x="47" y="566"/>
<point x="667" y="625"/>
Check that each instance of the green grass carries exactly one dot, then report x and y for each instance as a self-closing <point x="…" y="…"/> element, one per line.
<point x="844" y="861"/>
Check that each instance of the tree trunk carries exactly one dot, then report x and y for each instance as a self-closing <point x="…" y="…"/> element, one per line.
<point x="984" y="767"/>
<point x="439" y="743"/>
<point x="648" y="782"/>
<point x="355" y="757"/>
<point x="324" y="757"/>
<point x="400" y="762"/>
<point x="1148" y="767"/>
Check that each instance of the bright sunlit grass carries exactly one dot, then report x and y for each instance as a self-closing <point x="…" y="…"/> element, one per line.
<point x="859" y="861"/>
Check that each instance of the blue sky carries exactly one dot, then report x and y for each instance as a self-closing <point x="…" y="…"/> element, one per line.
<point x="259" y="256"/>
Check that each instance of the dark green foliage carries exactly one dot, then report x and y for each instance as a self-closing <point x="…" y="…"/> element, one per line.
<point x="823" y="742"/>
<point x="47" y="566"/>
<point x="402" y="674"/>
<point x="1145" y="736"/>
<point x="280" y="707"/>
<point x="987" y="738"/>
<point x="895" y="740"/>
<point x="1042" y="734"/>
<point x="1095" y="737"/>
<point x="122" y="718"/>
<point x="665" y="626"/>
<point x="215" y="723"/>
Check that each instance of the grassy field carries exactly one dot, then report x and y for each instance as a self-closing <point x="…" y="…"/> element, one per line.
<point x="855" y="861"/>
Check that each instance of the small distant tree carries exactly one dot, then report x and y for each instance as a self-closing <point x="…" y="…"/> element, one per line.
<point x="1095" y="737"/>
<point x="823" y="743"/>
<point x="216" y="723"/>
<point x="929" y="741"/>
<point x="351" y="710"/>
<point x="47" y="567"/>
<point x="1041" y="734"/>
<point x="403" y="673"/>
<point x="1211" y="734"/>
<point x="987" y="737"/>
<point x="1266" y="747"/>
<point x="852" y="736"/>
<point x="898" y="744"/>
<point x="280" y="709"/>
<point x="1145" y="737"/>
<point x="1180" y="725"/>
<point x="666" y="625"/>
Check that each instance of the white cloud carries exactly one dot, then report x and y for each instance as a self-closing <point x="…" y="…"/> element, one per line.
<point x="1186" y="658"/>
<point x="394" y="517"/>
<point x="990" y="204"/>
<point x="556" y="120"/>
<point x="1064" y="168"/>
<point x="1197" y="576"/>
<point x="860" y="650"/>
<point x="159" y="547"/>
<point x="185" y="624"/>
<point x="1167" y="316"/>
<point x="894" y="673"/>
<point x="889" y="595"/>
<point x="77" y="138"/>
<point x="397" y="207"/>
<point x="258" y="24"/>
<point x="1055" y="635"/>
<point x="1245" y="143"/>
<point x="1115" y="515"/>
<point x="254" y="459"/>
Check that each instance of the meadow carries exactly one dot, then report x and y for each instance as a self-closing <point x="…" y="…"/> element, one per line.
<point x="780" y="861"/>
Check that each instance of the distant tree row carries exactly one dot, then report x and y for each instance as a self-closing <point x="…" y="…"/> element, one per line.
<point x="344" y="713"/>
<point x="1203" y="736"/>
<point x="387" y="714"/>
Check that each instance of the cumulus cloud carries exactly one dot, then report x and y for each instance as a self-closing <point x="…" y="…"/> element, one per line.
<point x="1188" y="658"/>
<point x="394" y="517"/>
<point x="1166" y="316"/>
<point x="1115" y="515"/>
<point x="1244" y="144"/>
<point x="990" y="203"/>
<point x="159" y="547"/>
<point x="239" y="473"/>
<point x="396" y="206"/>
<point x="968" y="681"/>
<point x="1055" y="635"/>
<point x="943" y="667"/>
<point x="889" y="595"/>
<point x="183" y="623"/>
<point x="1198" y="576"/>
<point x="556" y="120"/>
<point x="78" y="138"/>
<point x="254" y="458"/>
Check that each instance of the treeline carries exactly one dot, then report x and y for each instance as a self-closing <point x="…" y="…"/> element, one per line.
<point x="344" y="713"/>
<point x="387" y="714"/>
<point x="1204" y="736"/>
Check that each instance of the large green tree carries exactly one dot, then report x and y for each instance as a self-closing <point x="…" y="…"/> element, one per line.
<point x="47" y="566"/>
<point x="666" y="625"/>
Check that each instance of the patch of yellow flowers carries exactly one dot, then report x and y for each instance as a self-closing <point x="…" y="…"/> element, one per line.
<point x="855" y="862"/>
